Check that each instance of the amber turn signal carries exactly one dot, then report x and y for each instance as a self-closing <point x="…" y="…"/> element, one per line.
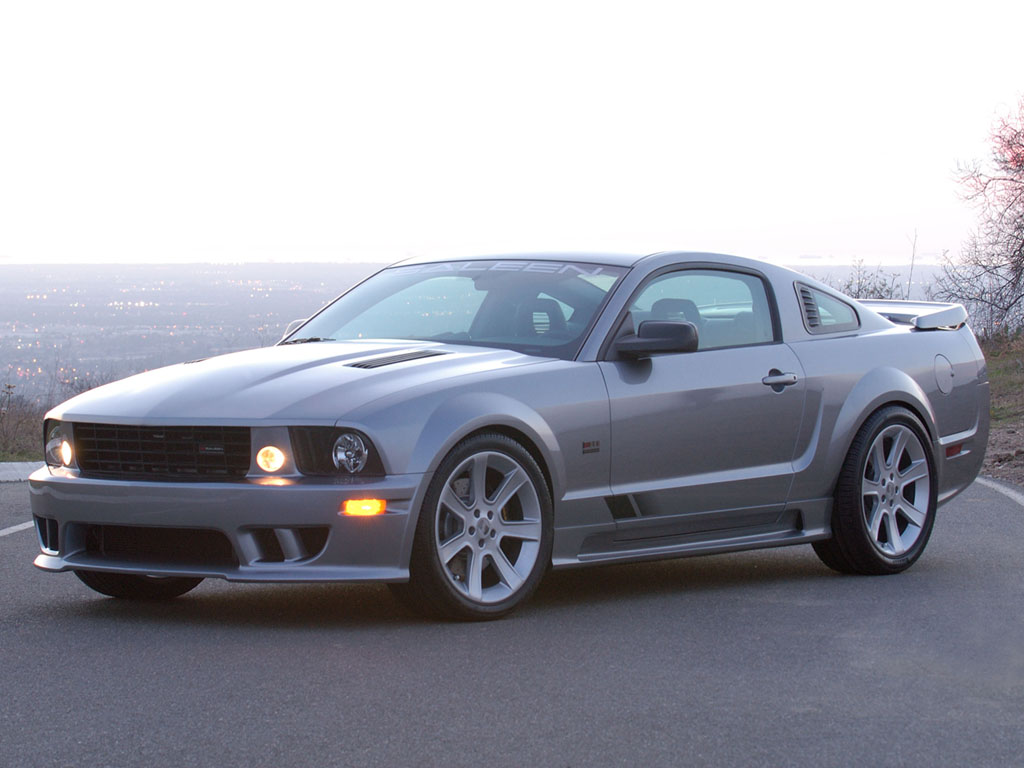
<point x="363" y="507"/>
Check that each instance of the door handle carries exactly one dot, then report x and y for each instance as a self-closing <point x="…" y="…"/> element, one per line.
<point x="778" y="380"/>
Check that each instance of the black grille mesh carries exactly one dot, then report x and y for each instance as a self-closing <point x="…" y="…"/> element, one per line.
<point x="162" y="453"/>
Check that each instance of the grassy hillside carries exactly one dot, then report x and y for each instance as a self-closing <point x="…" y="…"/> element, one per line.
<point x="1006" y="372"/>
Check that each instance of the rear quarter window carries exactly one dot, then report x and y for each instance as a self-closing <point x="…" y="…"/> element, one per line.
<point x="823" y="313"/>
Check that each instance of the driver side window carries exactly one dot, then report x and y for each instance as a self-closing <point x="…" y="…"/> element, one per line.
<point x="729" y="309"/>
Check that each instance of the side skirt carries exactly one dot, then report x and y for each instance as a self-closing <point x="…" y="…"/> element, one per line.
<point x="799" y="524"/>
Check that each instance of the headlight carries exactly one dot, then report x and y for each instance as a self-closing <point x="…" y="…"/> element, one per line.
<point x="327" y="451"/>
<point x="350" y="453"/>
<point x="57" y="444"/>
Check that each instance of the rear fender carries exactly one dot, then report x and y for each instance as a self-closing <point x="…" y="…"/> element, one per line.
<point x="878" y="388"/>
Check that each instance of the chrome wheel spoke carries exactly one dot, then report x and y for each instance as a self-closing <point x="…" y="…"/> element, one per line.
<point x="509" y="575"/>
<point x="875" y="522"/>
<point x="871" y="488"/>
<point x="451" y="548"/>
<point x="877" y="459"/>
<point x="478" y="479"/>
<point x="524" y="530"/>
<point x="899" y="444"/>
<point x="918" y="470"/>
<point x="451" y="501"/>
<point x="475" y="575"/>
<point x="912" y="513"/>
<point x="509" y="487"/>
<point x="893" y="532"/>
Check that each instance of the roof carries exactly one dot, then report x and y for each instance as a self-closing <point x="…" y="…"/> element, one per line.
<point x="611" y="259"/>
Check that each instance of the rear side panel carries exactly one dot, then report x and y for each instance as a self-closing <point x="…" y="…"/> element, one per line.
<point x="937" y="374"/>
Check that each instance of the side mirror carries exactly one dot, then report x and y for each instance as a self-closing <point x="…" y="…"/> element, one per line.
<point x="658" y="336"/>
<point x="292" y="326"/>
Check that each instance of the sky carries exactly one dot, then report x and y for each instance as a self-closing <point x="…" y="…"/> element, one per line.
<point x="155" y="132"/>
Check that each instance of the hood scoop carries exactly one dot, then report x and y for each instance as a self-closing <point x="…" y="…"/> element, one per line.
<point x="400" y="357"/>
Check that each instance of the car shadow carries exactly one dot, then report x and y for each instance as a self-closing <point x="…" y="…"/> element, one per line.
<point x="694" y="577"/>
<point x="290" y="606"/>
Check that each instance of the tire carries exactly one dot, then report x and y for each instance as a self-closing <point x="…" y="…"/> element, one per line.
<point x="885" y="498"/>
<point x="484" y="535"/>
<point x="131" y="587"/>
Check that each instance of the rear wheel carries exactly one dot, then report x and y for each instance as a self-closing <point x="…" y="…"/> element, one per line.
<point x="131" y="586"/>
<point x="885" y="498"/>
<point x="483" y="540"/>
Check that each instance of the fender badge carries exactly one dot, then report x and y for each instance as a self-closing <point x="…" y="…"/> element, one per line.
<point x="591" y="446"/>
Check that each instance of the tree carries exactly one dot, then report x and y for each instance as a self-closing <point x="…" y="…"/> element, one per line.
<point x="989" y="275"/>
<point x="20" y="425"/>
<point x="865" y="283"/>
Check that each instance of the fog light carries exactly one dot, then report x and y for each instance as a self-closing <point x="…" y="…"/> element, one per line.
<point x="65" y="453"/>
<point x="363" y="507"/>
<point x="270" y="459"/>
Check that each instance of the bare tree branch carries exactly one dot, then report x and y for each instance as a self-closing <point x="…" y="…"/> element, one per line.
<point x="988" y="277"/>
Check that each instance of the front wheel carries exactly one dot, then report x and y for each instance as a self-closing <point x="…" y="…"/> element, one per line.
<point x="129" y="586"/>
<point x="885" y="499"/>
<point x="483" y="539"/>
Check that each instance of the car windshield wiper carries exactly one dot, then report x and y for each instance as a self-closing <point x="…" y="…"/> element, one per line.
<point x="306" y="340"/>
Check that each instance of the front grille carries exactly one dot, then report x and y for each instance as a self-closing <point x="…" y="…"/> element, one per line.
<point x="162" y="453"/>
<point x="163" y="546"/>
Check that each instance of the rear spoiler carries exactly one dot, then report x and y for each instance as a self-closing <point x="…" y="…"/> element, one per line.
<point x="923" y="315"/>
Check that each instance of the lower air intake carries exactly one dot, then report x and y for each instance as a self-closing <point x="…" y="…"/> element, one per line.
<point x="160" y="546"/>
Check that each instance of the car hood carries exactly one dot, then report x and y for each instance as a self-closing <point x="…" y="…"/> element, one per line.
<point x="313" y="383"/>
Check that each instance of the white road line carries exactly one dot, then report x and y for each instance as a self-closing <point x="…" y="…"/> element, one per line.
<point x="15" y="528"/>
<point x="1007" y="492"/>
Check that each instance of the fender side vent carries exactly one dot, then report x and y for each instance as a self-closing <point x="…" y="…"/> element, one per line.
<point x="401" y="357"/>
<point x="622" y="507"/>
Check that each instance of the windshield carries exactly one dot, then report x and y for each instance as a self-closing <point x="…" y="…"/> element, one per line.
<point x="535" y="307"/>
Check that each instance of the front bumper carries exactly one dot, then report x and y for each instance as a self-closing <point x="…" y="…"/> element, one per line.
<point x="245" y="519"/>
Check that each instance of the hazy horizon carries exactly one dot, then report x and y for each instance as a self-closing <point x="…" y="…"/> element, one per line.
<point x="795" y="262"/>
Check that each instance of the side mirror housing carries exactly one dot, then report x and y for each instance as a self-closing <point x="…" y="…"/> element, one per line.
<point x="658" y="337"/>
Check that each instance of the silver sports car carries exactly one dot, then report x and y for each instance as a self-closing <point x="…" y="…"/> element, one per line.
<point x="456" y="427"/>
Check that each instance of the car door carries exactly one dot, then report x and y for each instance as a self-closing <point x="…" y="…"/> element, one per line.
<point x="704" y="440"/>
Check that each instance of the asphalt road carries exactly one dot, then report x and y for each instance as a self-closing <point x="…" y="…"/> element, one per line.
<point x="762" y="658"/>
